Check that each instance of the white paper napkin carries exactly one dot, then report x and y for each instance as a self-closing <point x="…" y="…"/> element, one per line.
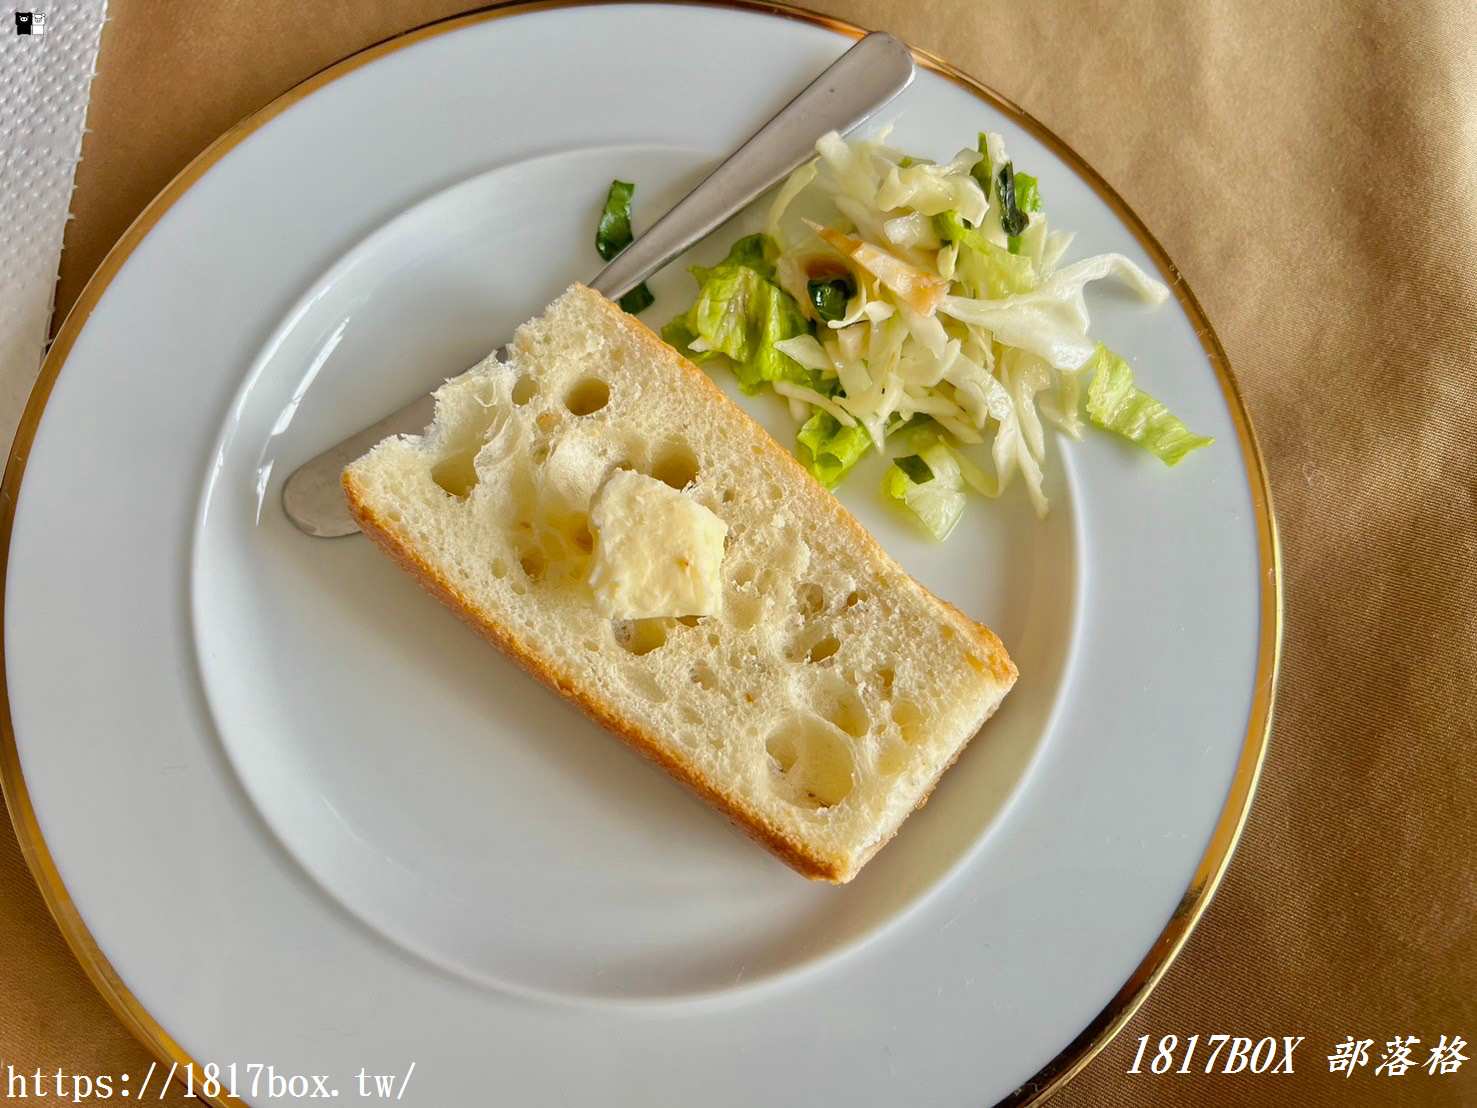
<point x="44" y="84"/>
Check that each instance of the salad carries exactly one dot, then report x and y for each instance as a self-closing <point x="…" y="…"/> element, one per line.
<point x="923" y="314"/>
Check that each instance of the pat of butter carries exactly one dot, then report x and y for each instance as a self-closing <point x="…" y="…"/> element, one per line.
<point x="658" y="552"/>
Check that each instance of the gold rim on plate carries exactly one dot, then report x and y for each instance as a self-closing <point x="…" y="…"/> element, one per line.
<point x="1097" y="1034"/>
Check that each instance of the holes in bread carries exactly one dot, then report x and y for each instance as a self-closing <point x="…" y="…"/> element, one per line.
<point x="811" y="763"/>
<point x="533" y="563"/>
<point x="587" y="396"/>
<point x="885" y="677"/>
<point x="810" y="599"/>
<point x="909" y="719"/>
<point x="580" y="537"/>
<point x="824" y="648"/>
<point x="838" y="701"/>
<point x="677" y="467"/>
<point x="812" y="644"/>
<point x="524" y="390"/>
<point x="640" y="636"/>
<point x="456" y="473"/>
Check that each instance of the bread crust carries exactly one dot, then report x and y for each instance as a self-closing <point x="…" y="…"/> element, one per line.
<point x="797" y="854"/>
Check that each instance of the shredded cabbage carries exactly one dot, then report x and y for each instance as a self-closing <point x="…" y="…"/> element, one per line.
<point x="932" y="295"/>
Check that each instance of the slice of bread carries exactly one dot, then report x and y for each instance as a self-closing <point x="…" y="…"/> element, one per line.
<point x="816" y="710"/>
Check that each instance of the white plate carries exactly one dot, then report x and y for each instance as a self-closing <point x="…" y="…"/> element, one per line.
<point x="310" y="821"/>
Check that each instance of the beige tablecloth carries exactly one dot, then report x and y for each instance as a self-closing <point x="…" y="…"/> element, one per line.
<point x="1312" y="167"/>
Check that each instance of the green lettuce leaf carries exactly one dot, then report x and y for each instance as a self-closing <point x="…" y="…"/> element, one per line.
<point x="1028" y="196"/>
<point x="981" y="170"/>
<point x="756" y="252"/>
<point x="828" y="449"/>
<point x="915" y="467"/>
<point x="727" y="312"/>
<point x="741" y="313"/>
<point x="613" y="234"/>
<point x="638" y="299"/>
<point x="1114" y="404"/>
<point x="938" y="502"/>
<point x="680" y="335"/>
<point x="997" y="273"/>
<point x="1027" y="193"/>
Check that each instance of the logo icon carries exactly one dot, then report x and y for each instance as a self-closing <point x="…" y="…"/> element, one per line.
<point x="30" y="23"/>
